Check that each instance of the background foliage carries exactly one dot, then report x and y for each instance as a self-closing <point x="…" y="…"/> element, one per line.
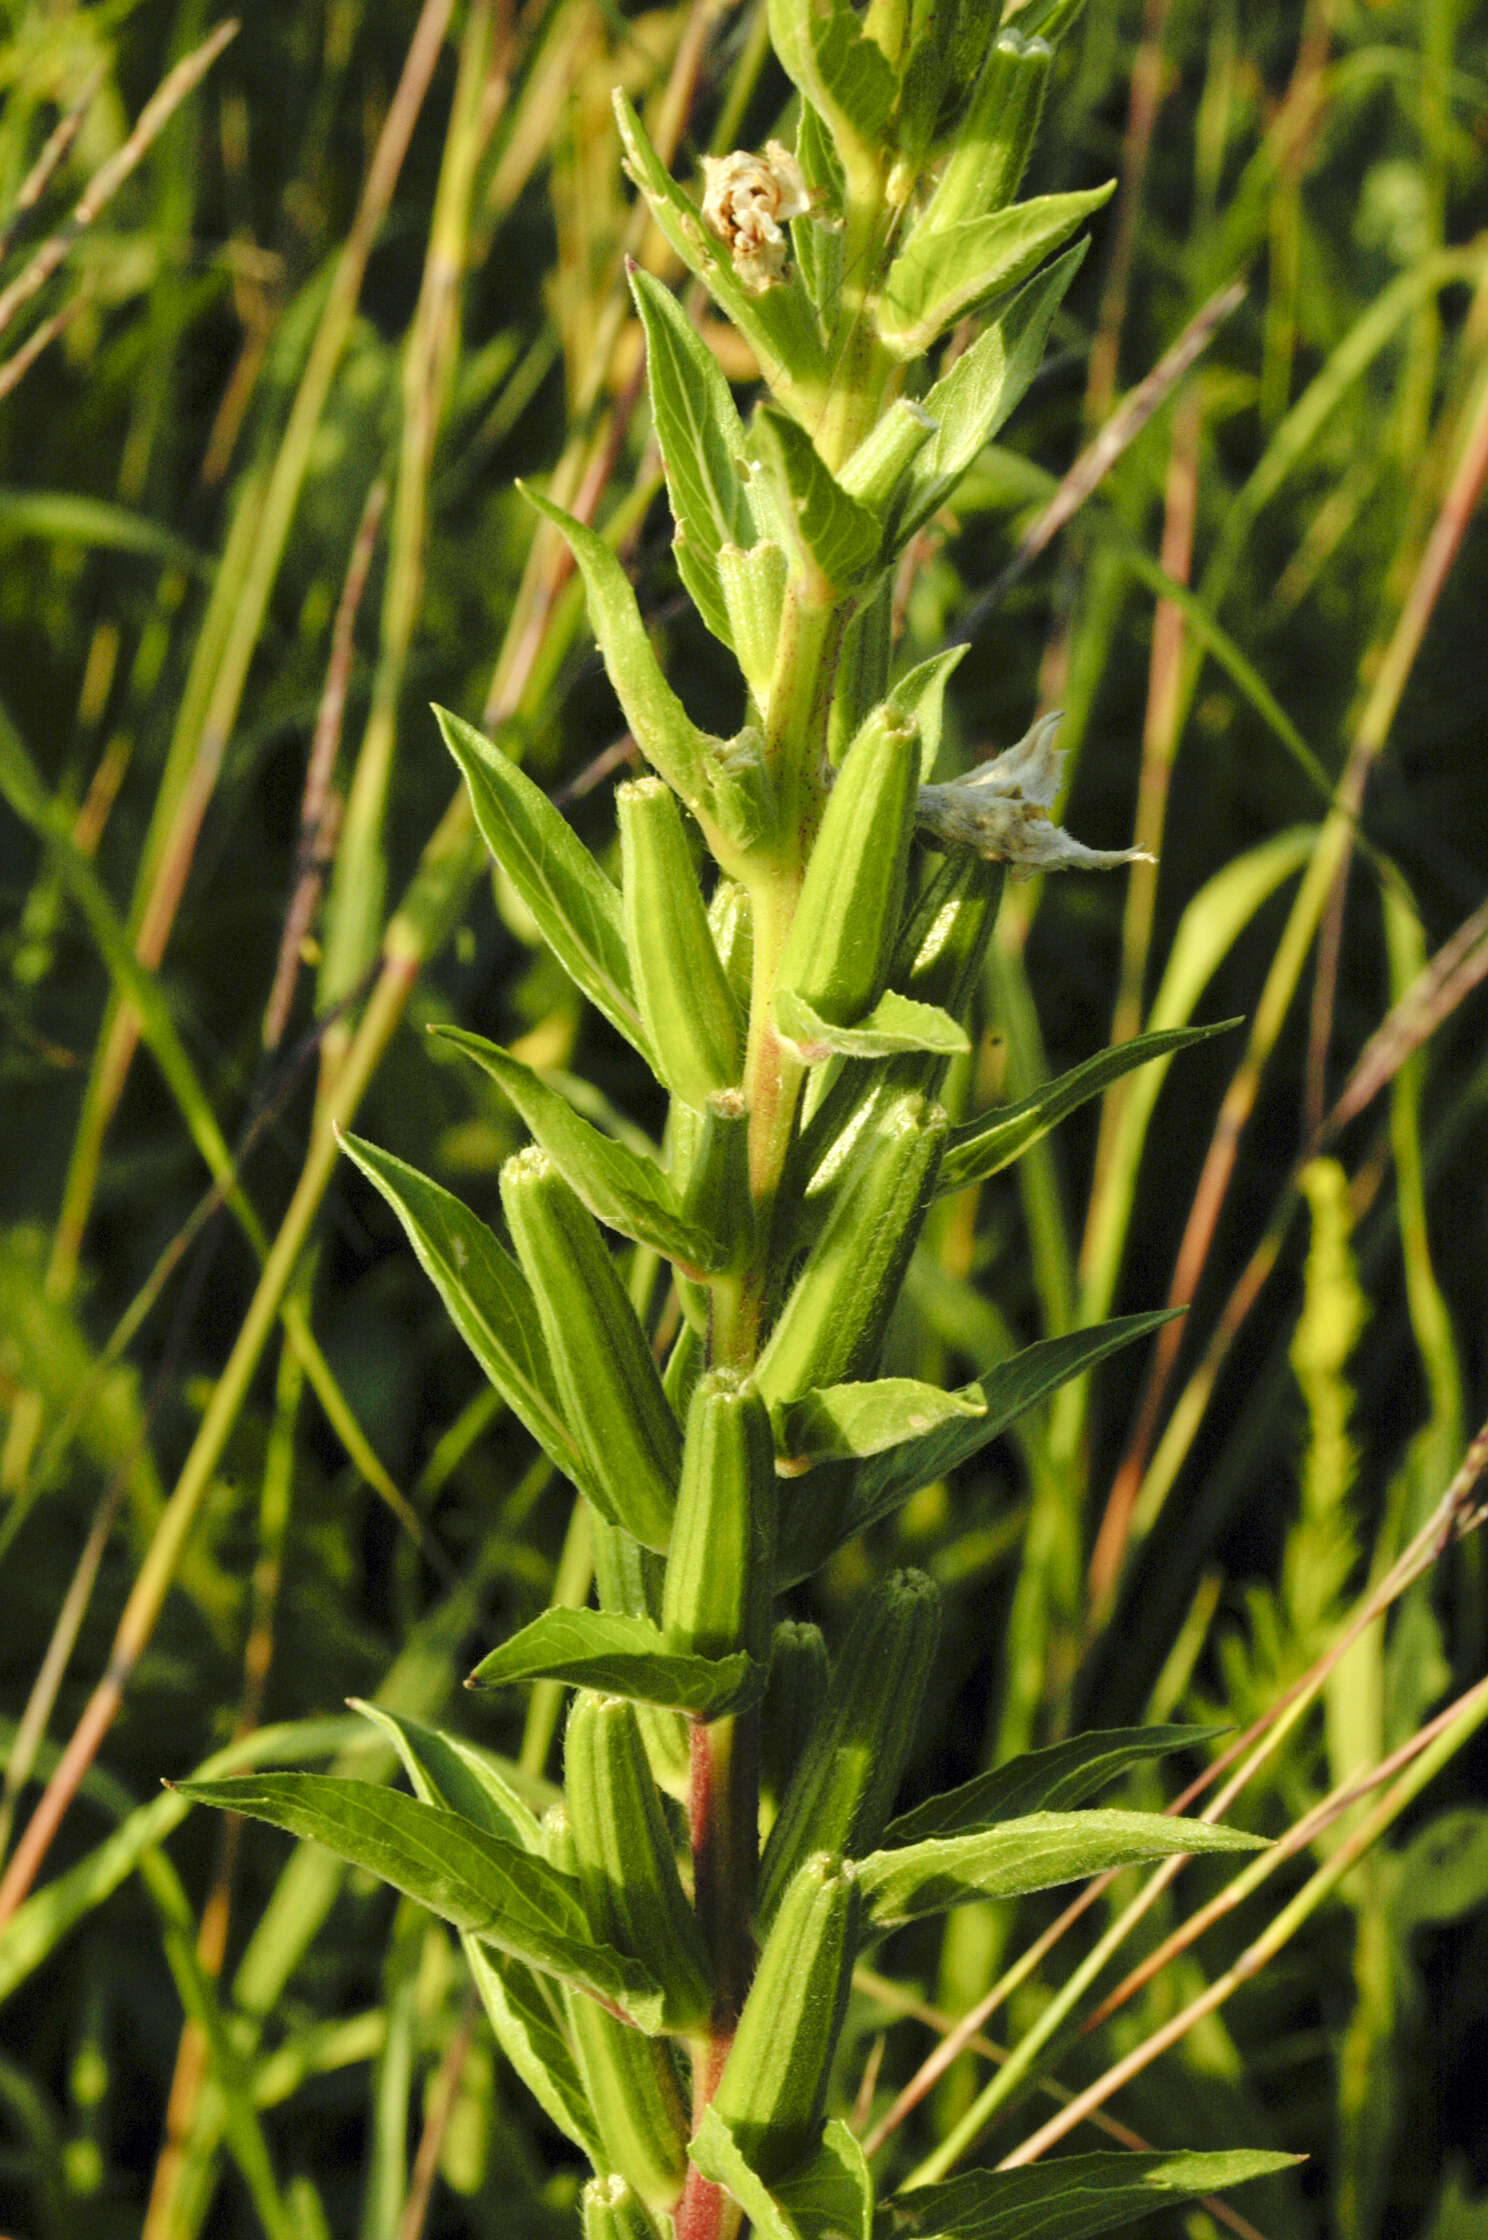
<point x="346" y="261"/>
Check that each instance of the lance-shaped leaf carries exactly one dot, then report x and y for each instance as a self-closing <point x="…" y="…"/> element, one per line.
<point x="490" y="1889"/>
<point x="523" y="2009"/>
<point x="835" y="534"/>
<point x="940" y="274"/>
<point x="752" y="586"/>
<point x="617" y="1656"/>
<point x="985" y="1147"/>
<point x="620" y="1187"/>
<point x="844" y="1421"/>
<point x="1038" y="1852"/>
<point x="845" y="76"/>
<point x="828" y="2197"/>
<point x="1072" y="2197"/>
<point x="972" y="401"/>
<point x="702" y="447"/>
<point x="662" y="728"/>
<point x="576" y="907"/>
<point x="896" y="1023"/>
<point x="1013" y="1386"/>
<point x="1052" y="1780"/>
<point x="780" y="326"/>
<point x="921" y="695"/>
<point x="486" y="1297"/>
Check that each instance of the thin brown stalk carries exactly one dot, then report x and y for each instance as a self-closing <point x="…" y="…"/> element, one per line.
<point x="110" y="176"/>
<point x="415" y="2211"/>
<point x="53" y="154"/>
<point x="20" y="362"/>
<point x="1144" y="101"/>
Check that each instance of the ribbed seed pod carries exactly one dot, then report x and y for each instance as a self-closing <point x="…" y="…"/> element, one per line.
<point x="606" y="1376"/>
<point x="836" y="955"/>
<point x="845" y="1784"/>
<point x="626" y="1862"/>
<point x="832" y="1323"/>
<point x="629" y="1579"/>
<point x="994" y="142"/>
<point x="690" y="1012"/>
<point x="613" y="2211"/>
<point x="719" y="1585"/>
<point x="716" y="1189"/>
<point x="774" y="2083"/>
<point x="794" y="1698"/>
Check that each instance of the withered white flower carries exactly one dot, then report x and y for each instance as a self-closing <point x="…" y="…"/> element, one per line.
<point x="748" y="201"/>
<point x="1001" y="810"/>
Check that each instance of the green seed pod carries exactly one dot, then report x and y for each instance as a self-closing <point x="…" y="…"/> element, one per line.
<point x="794" y="1697"/>
<point x="832" y="1323"/>
<point x="995" y="139"/>
<point x="719" y="1585"/>
<point x="844" y="1786"/>
<point x="774" y="2083"/>
<point x="629" y="1580"/>
<point x="613" y="2211"/>
<point x="836" y="955"/>
<point x="635" y="2099"/>
<point x="716" y="1190"/>
<point x="626" y="1862"/>
<point x="690" y="1013"/>
<point x="753" y="586"/>
<point x="606" y="1377"/>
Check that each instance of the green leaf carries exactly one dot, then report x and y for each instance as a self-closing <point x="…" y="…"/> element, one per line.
<point x="492" y="1890"/>
<point x="834" y="533"/>
<point x="779" y="326"/>
<point x="752" y="586"/>
<point x="1441" y="1874"/>
<point x="828" y="2197"/>
<point x="846" y="77"/>
<point x="896" y="1023"/>
<point x="620" y="1187"/>
<point x="485" y="1295"/>
<point x="619" y="1656"/>
<point x="944" y="271"/>
<point x="843" y="1421"/>
<point x="64" y="517"/>
<point x="1009" y="1389"/>
<point x="985" y="1147"/>
<point x="576" y="907"/>
<point x="920" y="693"/>
<point x="984" y="385"/>
<point x="702" y="446"/>
<point x="1037" y="1852"/>
<point x="662" y="728"/>
<point x="1052" y="1780"/>
<point x="1071" y="2197"/>
<point x="522" y="2011"/>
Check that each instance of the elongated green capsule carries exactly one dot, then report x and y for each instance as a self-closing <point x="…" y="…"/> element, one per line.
<point x="606" y="1377"/>
<point x="626" y="1862"/>
<point x="844" y="1786"/>
<point x="692" y="1019"/>
<point x="995" y="139"/>
<point x="719" y="1584"/>
<point x="716" y="1189"/>
<point x="794" y="1698"/>
<point x="832" y="1323"/>
<point x="836" y="955"/>
<point x="774" y="2083"/>
<point x="630" y="2081"/>
<point x="613" y="2211"/>
<point x="629" y="1579"/>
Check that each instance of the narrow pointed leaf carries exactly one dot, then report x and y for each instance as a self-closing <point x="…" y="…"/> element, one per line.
<point x="576" y="907"/>
<point x="829" y="2197"/>
<point x="779" y="326"/>
<point x="921" y="694"/>
<point x="1009" y="1389"/>
<point x="942" y="273"/>
<point x="752" y="586"/>
<point x="490" y="1889"/>
<point x="448" y="1772"/>
<point x="896" y="1023"/>
<point x="663" y="730"/>
<point x="620" y="1187"/>
<point x="1072" y="2197"/>
<point x="1038" y="1852"/>
<point x="485" y="1294"/>
<point x="617" y="1656"/>
<point x="974" y="399"/>
<point x="1052" y="1780"/>
<point x="838" y="534"/>
<point x="985" y="1147"/>
<point x="844" y="1421"/>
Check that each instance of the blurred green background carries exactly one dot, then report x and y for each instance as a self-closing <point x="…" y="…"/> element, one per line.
<point x="378" y="249"/>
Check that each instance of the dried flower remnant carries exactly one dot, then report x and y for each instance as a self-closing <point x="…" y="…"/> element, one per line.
<point x="748" y="201"/>
<point x="1001" y="810"/>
